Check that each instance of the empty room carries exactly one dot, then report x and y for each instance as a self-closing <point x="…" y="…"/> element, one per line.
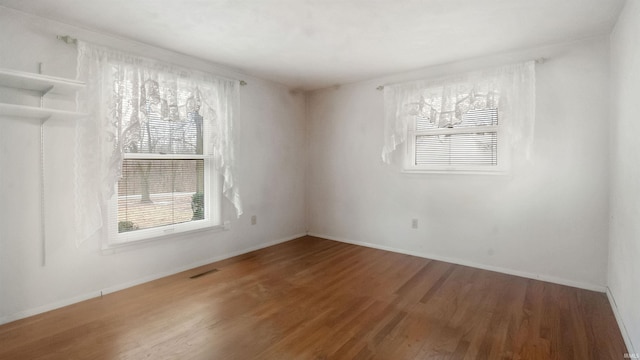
<point x="320" y="179"/>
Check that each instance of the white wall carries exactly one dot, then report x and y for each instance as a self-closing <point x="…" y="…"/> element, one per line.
<point x="547" y="219"/>
<point x="271" y="158"/>
<point x="624" y="245"/>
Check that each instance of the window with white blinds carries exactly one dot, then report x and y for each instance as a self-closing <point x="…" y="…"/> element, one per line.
<point x="472" y="144"/>
<point x="167" y="182"/>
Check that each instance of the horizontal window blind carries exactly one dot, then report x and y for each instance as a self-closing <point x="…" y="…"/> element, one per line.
<point x="457" y="149"/>
<point x="472" y="118"/>
<point x="468" y="142"/>
<point x="164" y="114"/>
<point x="153" y="193"/>
<point x="481" y="117"/>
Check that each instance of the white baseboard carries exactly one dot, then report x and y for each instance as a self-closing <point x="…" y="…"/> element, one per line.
<point x="547" y="278"/>
<point x="52" y="306"/>
<point x="111" y="289"/>
<point x="623" y="328"/>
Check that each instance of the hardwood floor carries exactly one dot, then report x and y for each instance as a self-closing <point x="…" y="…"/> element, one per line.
<point x="318" y="299"/>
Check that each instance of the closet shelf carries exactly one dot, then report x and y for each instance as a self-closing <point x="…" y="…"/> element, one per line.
<point x="33" y="112"/>
<point x="43" y="83"/>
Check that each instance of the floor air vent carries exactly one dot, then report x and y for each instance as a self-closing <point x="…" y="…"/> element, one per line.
<point x="203" y="273"/>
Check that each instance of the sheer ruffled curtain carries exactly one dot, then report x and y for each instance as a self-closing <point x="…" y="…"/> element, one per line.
<point x="113" y="79"/>
<point x="442" y="103"/>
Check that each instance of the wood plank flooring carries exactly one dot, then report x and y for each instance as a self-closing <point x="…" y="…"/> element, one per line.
<point x="312" y="298"/>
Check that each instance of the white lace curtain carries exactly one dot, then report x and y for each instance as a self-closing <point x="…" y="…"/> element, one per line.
<point x="122" y="89"/>
<point x="441" y="103"/>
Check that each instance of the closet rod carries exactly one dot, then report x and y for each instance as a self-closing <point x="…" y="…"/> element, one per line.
<point x="67" y="39"/>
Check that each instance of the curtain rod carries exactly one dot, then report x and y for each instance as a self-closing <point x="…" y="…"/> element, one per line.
<point x="67" y="39"/>
<point x="73" y="41"/>
<point x="540" y="60"/>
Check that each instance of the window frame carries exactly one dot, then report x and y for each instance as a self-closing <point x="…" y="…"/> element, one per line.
<point x="212" y="202"/>
<point x="503" y="156"/>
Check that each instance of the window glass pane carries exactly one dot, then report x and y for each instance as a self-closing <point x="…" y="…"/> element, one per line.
<point x="423" y="123"/>
<point x="161" y="116"/>
<point x="457" y="149"/>
<point x="481" y="117"/>
<point x="154" y="193"/>
<point x="157" y="135"/>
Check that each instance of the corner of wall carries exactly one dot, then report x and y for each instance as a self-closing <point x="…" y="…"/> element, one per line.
<point x="307" y="138"/>
<point x="621" y="325"/>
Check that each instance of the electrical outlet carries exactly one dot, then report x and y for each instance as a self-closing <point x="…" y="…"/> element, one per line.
<point x="414" y="223"/>
<point x="254" y="220"/>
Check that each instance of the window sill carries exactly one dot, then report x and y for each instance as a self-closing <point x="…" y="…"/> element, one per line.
<point x="112" y="248"/>
<point x="455" y="172"/>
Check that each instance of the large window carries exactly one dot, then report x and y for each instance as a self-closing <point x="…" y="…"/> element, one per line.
<point x="167" y="184"/>
<point x="156" y="148"/>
